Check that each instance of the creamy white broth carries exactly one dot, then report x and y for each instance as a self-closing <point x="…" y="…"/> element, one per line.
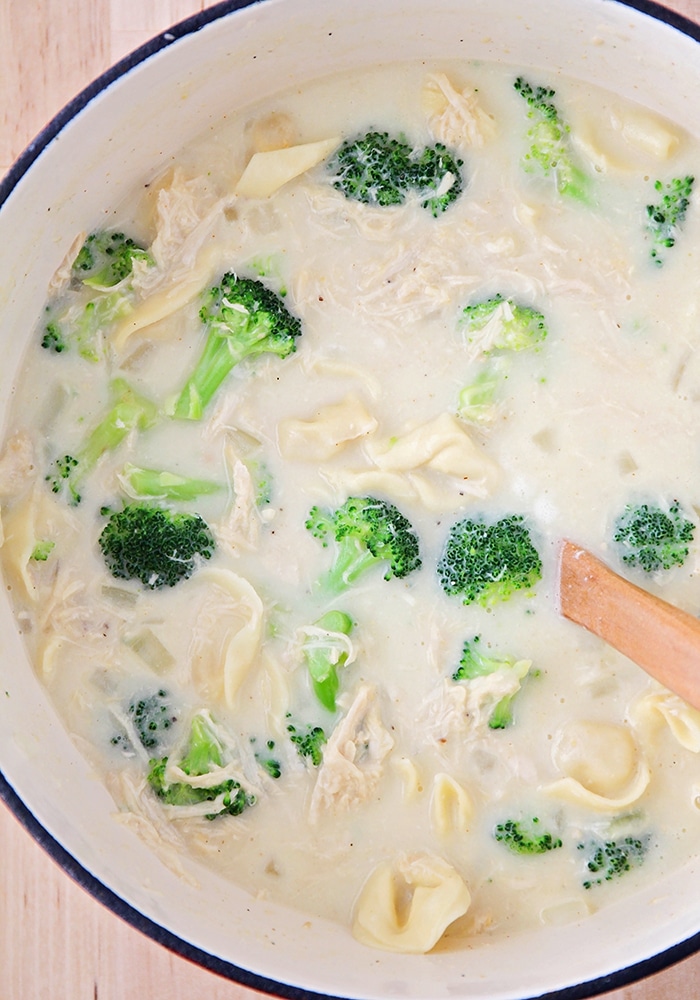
<point x="603" y="414"/>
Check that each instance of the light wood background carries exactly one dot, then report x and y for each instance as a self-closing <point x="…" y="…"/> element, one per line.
<point x="56" y="942"/>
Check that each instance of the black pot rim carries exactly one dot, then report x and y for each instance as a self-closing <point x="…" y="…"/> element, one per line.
<point x="93" y="885"/>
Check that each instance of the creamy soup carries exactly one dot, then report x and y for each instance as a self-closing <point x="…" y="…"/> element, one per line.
<point x="419" y="804"/>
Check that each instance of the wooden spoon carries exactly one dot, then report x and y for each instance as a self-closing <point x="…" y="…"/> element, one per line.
<point x="659" y="637"/>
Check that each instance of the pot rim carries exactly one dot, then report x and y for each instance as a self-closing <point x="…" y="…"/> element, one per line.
<point x="59" y="854"/>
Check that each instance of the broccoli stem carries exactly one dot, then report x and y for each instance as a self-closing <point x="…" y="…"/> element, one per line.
<point x="502" y="714"/>
<point x="220" y="356"/>
<point x="550" y="148"/>
<point x="163" y="485"/>
<point x="351" y="561"/>
<point x="130" y="411"/>
<point x="203" y="751"/>
<point x="226" y="346"/>
<point x="243" y="318"/>
<point x="204" y="755"/>
<point x="323" y="656"/>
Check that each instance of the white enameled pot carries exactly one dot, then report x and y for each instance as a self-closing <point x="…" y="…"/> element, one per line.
<point x="112" y="137"/>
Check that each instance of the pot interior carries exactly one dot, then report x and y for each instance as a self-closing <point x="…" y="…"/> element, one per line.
<point x="129" y="130"/>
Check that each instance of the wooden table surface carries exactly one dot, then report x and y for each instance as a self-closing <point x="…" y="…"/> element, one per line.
<point x="56" y="942"/>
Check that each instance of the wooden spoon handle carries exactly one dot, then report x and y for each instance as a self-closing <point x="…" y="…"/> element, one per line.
<point x="659" y="637"/>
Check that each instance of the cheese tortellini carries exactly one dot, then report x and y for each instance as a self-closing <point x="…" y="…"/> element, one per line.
<point x="222" y="661"/>
<point x="451" y="807"/>
<point x="325" y="433"/>
<point x="353" y="758"/>
<point x="436" y="463"/>
<point x="408" y="906"/>
<point x="682" y="719"/>
<point x="602" y="765"/>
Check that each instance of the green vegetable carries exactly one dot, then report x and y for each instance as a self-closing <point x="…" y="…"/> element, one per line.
<point x="156" y="545"/>
<point x="666" y="216"/>
<point x="42" y="550"/>
<point x="366" y="532"/>
<point x="477" y="401"/>
<point x="608" y="860"/>
<point x="653" y="537"/>
<point x="437" y="177"/>
<point x="263" y="482"/>
<point x="128" y="411"/>
<point x="203" y="756"/>
<point x="475" y="663"/>
<point x="153" y="717"/>
<point x="80" y="325"/>
<point x="501" y="327"/>
<point x="160" y="484"/>
<point x="243" y="319"/>
<point x="325" y="651"/>
<point x="379" y="169"/>
<point x="269" y="764"/>
<point x="487" y="563"/>
<point x="309" y="743"/>
<point x="550" y="151"/>
<point x="106" y="258"/>
<point x="54" y="339"/>
<point x="515" y="327"/>
<point x="525" y="837"/>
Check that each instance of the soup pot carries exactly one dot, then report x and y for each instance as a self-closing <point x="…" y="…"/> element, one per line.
<point x="122" y="130"/>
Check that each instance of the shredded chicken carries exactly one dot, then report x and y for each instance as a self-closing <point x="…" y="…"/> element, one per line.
<point x="141" y="812"/>
<point x="456" y="117"/>
<point x="239" y="528"/>
<point x="17" y="466"/>
<point x="353" y="758"/>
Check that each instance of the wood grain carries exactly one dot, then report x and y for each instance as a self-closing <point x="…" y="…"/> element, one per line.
<point x="662" y="639"/>
<point x="56" y="942"/>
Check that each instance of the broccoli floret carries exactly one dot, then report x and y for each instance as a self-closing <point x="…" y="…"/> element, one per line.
<point x="366" y="531"/>
<point x="128" y="411"/>
<point x="525" y="837"/>
<point x="79" y="327"/>
<point x="437" y="177"/>
<point x="152" y="717"/>
<point x="42" y="550"/>
<point x="203" y="756"/>
<point x="308" y="743"/>
<point x="263" y="481"/>
<point x="511" y="326"/>
<point x="269" y="764"/>
<point x="653" y="538"/>
<point x="475" y="663"/>
<point x="373" y="169"/>
<point x="106" y="258"/>
<point x="60" y="476"/>
<point x="159" y="484"/>
<point x="243" y="319"/>
<point x="610" y="859"/>
<point x="380" y="169"/>
<point x="666" y="216"/>
<point x="487" y="563"/>
<point x="500" y="327"/>
<point x="156" y="545"/>
<point x="550" y="149"/>
<point x="54" y="339"/>
<point x="478" y="401"/>
<point x="325" y="650"/>
<point x="272" y="766"/>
